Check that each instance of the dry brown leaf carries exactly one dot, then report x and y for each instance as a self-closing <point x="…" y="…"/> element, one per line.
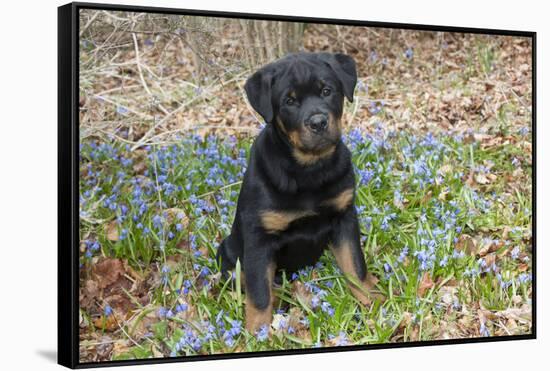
<point x="481" y="179"/>
<point x="111" y="230"/>
<point x="467" y="244"/>
<point x="301" y="293"/>
<point x="490" y="259"/>
<point x="371" y="280"/>
<point x="177" y="215"/>
<point x="107" y="271"/>
<point x="425" y="284"/>
<point x="443" y="195"/>
<point x="107" y="323"/>
<point x="89" y="293"/>
<point x="489" y="247"/>
<point x="448" y="295"/>
<point x="121" y="347"/>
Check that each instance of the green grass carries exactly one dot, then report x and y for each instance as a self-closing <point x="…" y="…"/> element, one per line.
<point x="429" y="194"/>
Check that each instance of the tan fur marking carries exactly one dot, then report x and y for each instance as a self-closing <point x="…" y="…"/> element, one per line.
<point x="254" y="317"/>
<point x="342" y="201"/>
<point x="305" y="158"/>
<point x="344" y="259"/>
<point x="278" y="221"/>
<point x="294" y="137"/>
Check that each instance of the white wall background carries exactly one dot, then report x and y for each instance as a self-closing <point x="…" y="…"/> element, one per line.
<point x="28" y="155"/>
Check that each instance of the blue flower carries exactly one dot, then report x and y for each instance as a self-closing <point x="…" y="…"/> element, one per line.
<point x="262" y="333"/>
<point x="315" y="300"/>
<point x="181" y="308"/>
<point x="157" y="221"/>
<point x="327" y="308"/>
<point x="190" y="340"/>
<point x="108" y="310"/>
<point x="373" y="56"/>
<point x="204" y="272"/>
<point x="483" y="330"/>
<point x="342" y="339"/>
<point x="365" y="176"/>
<point x="524" y="130"/>
<point x="162" y="312"/>
<point x="515" y="253"/>
<point x="409" y="53"/>
<point x="121" y="110"/>
<point x="283" y="323"/>
<point x="375" y="107"/>
<point x="403" y="254"/>
<point x="524" y="278"/>
<point x="425" y="258"/>
<point x="229" y="340"/>
<point x="186" y="286"/>
<point x="235" y="329"/>
<point x="385" y="221"/>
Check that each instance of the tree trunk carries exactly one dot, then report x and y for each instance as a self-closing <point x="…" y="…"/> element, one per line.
<point x="266" y="41"/>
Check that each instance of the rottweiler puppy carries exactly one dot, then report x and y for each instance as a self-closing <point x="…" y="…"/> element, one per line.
<point x="297" y="196"/>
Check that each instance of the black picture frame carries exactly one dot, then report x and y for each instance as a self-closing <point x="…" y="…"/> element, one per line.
<point x="68" y="187"/>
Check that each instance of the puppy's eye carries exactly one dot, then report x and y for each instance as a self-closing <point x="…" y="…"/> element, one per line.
<point x="325" y="92"/>
<point x="289" y="101"/>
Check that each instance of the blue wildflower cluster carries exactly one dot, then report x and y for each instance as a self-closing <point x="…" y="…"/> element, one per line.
<point x="138" y="189"/>
<point x="193" y="339"/>
<point x="178" y="200"/>
<point x="91" y="247"/>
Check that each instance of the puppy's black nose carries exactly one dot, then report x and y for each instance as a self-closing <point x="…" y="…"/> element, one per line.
<point x="317" y="123"/>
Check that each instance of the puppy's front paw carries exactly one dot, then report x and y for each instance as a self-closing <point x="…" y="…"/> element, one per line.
<point x="366" y="293"/>
<point x="256" y="318"/>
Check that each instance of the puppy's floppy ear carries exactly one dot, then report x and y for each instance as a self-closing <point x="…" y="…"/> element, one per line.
<point x="344" y="67"/>
<point x="258" y="91"/>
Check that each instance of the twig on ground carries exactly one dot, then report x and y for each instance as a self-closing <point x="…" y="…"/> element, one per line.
<point x="140" y="71"/>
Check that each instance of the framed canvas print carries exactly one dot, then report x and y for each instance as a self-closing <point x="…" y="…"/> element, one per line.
<point x="236" y="185"/>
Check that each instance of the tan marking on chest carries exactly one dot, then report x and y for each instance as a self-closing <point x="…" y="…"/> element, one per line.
<point x="278" y="221"/>
<point x="305" y="158"/>
<point x="341" y="201"/>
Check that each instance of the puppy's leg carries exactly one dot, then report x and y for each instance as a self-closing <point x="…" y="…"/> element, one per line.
<point x="225" y="257"/>
<point x="230" y="250"/>
<point x="346" y="248"/>
<point x="259" y="270"/>
<point x="222" y="259"/>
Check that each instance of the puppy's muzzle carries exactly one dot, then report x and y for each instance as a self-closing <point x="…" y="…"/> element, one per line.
<point x="317" y="123"/>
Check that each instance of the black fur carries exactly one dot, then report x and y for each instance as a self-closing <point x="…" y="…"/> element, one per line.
<point x="277" y="180"/>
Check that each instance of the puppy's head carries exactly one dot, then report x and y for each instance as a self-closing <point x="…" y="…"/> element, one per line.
<point x="303" y="94"/>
